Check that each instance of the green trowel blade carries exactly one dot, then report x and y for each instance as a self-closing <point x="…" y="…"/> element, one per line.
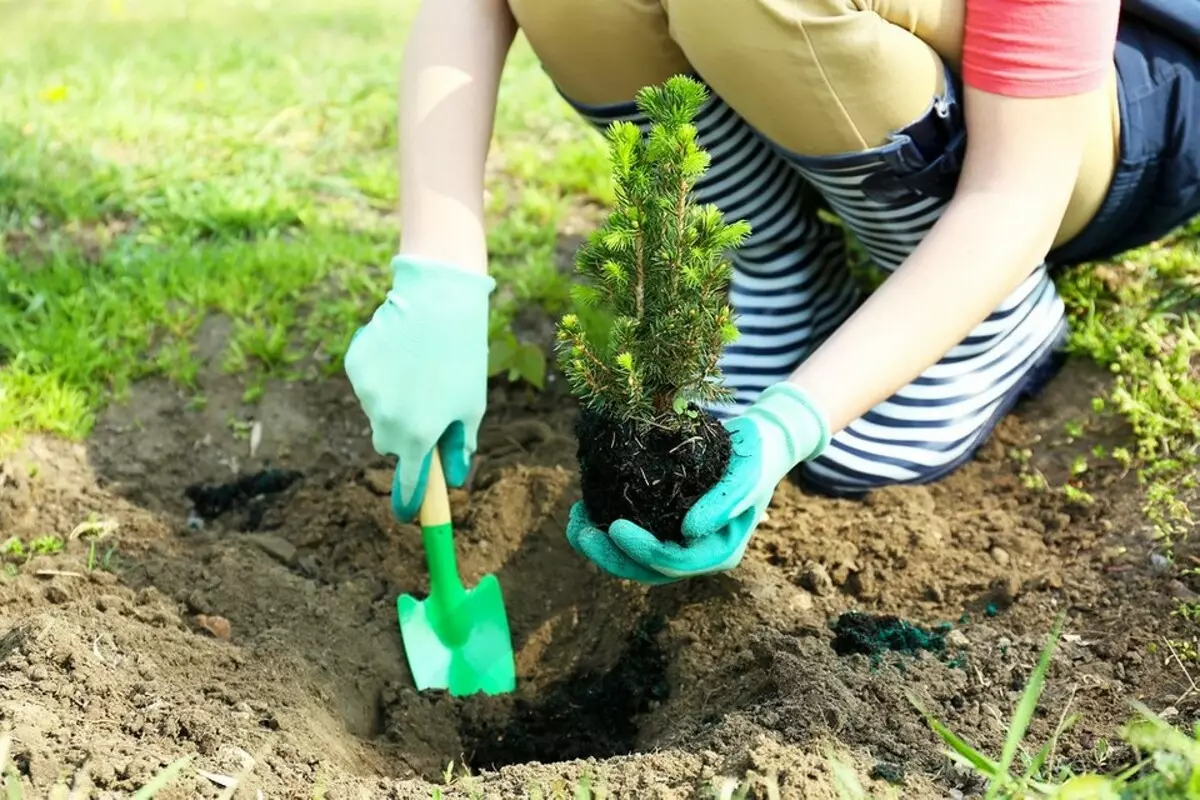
<point x="465" y="648"/>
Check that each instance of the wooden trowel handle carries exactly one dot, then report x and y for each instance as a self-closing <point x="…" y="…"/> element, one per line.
<point x="435" y="508"/>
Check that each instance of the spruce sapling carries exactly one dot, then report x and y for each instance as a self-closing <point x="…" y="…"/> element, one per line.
<point x="657" y="268"/>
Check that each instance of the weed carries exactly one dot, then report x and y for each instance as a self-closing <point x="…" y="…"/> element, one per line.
<point x="1140" y="319"/>
<point x="81" y="787"/>
<point x="1166" y="764"/>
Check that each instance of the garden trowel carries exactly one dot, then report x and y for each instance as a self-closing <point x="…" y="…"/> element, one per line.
<point x="455" y="638"/>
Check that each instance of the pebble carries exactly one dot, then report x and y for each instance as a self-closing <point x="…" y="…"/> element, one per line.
<point x="1000" y="556"/>
<point x="276" y="547"/>
<point x="816" y="579"/>
<point x="217" y="626"/>
<point x="956" y="638"/>
<point x="801" y="601"/>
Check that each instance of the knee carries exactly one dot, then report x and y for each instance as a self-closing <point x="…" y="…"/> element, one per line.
<point x="842" y="474"/>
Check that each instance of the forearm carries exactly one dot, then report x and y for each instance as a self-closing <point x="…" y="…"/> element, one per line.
<point x="450" y="78"/>
<point x="981" y="249"/>
<point x="1021" y="166"/>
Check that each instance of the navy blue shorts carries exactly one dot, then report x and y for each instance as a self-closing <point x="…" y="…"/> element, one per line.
<point x="1156" y="185"/>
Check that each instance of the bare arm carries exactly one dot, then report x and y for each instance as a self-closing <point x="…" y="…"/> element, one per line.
<point x="1021" y="165"/>
<point x="451" y="76"/>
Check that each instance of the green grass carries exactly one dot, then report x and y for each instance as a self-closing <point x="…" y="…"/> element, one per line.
<point x="160" y="163"/>
<point x="1140" y="318"/>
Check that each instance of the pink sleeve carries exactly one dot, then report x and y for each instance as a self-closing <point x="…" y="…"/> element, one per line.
<point x="1039" y="48"/>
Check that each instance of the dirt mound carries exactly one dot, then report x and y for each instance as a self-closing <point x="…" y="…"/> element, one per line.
<point x="247" y="616"/>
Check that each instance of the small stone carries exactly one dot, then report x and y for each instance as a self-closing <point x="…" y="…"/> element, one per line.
<point x="38" y="672"/>
<point x="935" y="593"/>
<point x="1159" y="563"/>
<point x="217" y="626"/>
<point x="862" y="582"/>
<point x="801" y="601"/>
<point x="1000" y="556"/>
<point x="276" y="547"/>
<point x="816" y="579"/>
<point x="56" y="595"/>
<point x="957" y="638"/>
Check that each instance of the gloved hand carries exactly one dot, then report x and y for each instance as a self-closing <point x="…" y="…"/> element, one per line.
<point x="419" y="369"/>
<point x="775" y="434"/>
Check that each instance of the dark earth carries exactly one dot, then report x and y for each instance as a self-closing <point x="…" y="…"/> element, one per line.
<point x="245" y="613"/>
<point x="647" y="476"/>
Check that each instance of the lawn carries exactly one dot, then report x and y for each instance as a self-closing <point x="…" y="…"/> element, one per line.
<point x="166" y="161"/>
<point x="197" y="209"/>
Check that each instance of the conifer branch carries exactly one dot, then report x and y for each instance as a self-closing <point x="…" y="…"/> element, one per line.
<point x="658" y="267"/>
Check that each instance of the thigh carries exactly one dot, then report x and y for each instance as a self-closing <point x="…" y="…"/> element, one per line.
<point x="817" y="77"/>
<point x="600" y="52"/>
<point x="826" y="77"/>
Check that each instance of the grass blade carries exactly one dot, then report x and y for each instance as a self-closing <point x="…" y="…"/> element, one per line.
<point x="969" y="754"/>
<point x="845" y="780"/>
<point x="1043" y="755"/>
<point x="162" y="779"/>
<point x="1027" y="706"/>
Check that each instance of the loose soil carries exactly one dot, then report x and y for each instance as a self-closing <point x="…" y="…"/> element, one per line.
<point x="253" y="623"/>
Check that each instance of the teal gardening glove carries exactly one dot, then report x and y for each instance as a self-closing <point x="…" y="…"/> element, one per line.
<point x="782" y="429"/>
<point x="419" y="369"/>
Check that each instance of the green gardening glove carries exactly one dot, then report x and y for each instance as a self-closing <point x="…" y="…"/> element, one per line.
<point x="782" y="429"/>
<point x="419" y="369"/>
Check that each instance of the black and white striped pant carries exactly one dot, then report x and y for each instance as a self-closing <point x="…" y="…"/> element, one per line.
<point x="791" y="288"/>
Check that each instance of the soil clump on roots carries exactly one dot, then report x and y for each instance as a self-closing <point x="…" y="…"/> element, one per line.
<point x="648" y="476"/>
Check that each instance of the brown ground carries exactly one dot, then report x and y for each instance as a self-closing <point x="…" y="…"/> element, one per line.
<point x="656" y="693"/>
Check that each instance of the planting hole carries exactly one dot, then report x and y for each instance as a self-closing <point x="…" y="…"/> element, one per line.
<point x="582" y="716"/>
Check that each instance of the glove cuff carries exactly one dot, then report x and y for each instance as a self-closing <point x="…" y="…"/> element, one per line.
<point x="793" y="413"/>
<point x="408" y="271"/>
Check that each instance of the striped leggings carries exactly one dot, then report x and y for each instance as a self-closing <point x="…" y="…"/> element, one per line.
<point x="791" y="287"/>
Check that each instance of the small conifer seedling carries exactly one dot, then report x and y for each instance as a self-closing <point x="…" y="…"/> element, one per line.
<point x="657" y="268"/>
